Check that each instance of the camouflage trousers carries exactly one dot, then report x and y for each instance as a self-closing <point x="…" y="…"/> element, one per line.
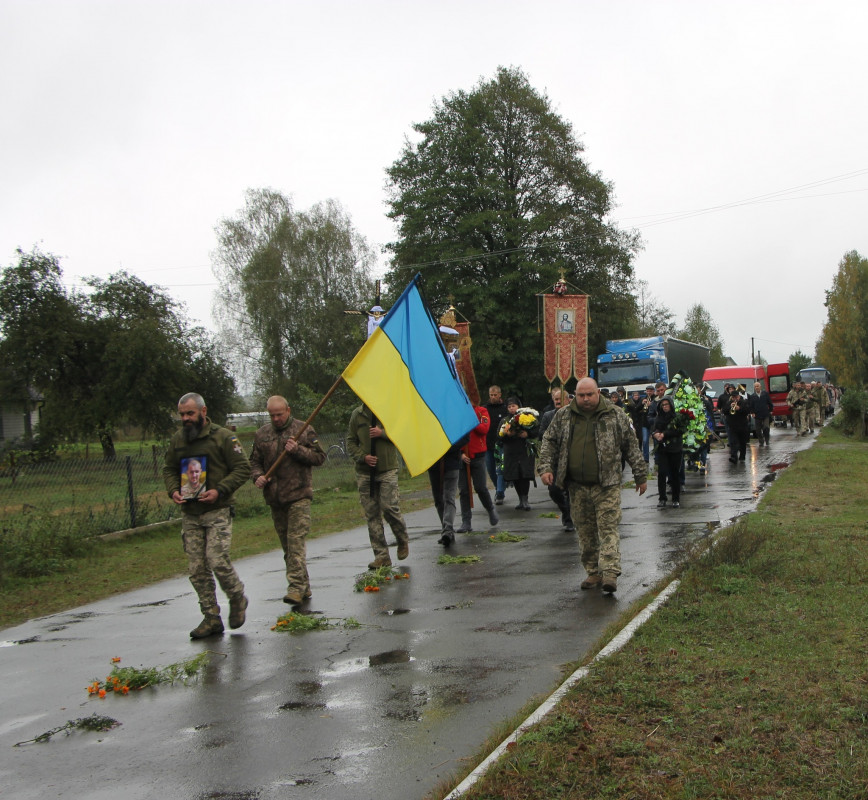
<point x="384" y="503"/>
<point x="292" y="523"/>
<point x="597" y="513"/>
<point x="812" y="417"/>
<point x="799" y="419"/>
<point x="207" y="538"/>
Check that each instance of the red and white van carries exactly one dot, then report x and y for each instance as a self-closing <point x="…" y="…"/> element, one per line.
<point x="775" y="379"/>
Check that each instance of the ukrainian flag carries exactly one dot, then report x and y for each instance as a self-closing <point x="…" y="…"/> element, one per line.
<point x="403" y="374"/>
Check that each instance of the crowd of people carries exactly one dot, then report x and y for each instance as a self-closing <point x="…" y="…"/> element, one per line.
<point x="579" y="447"/>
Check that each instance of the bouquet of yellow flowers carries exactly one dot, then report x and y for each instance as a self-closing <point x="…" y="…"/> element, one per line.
<point x="525" y="419"/>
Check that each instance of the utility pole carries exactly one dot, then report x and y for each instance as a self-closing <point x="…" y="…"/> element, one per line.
<point x="752" y="356"/>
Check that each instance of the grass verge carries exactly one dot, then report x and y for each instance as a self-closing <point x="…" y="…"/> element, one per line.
<point x="122" y="565"/>
<point x="751" y="682"/>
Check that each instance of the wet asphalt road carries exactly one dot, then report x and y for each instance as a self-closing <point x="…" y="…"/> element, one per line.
<point x="384" y="711"/>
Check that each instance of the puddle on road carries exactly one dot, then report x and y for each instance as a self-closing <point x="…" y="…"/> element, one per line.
<point x="13" y="642"/>
<point x="390" y="657"/>
<point x="392" y="612"/>
<point x="150" y="605"/>
<point x="301" y="705"/>
<point x="242" y="794"/>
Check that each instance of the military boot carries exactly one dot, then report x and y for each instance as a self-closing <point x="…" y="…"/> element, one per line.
<point x="237" y="611"/>
<point x="211" y="625"/>
<point x="380" y="561"/>
<point x="591" y="582"/>
<point x="610" y="582"/>
<point x="403" y="549"/>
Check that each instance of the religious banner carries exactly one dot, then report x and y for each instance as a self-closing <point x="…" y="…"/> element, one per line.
<point x="457" y="341"/>
<point x="464" y="365"/>
<point x="565" y="331"/>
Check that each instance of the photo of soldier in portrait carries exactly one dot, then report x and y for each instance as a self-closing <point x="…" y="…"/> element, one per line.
<point x="193" y="476"/>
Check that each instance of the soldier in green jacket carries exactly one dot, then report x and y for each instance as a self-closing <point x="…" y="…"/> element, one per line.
<point x="583" y="446"/>
<point x="206" y="522"/>
<point x="376" y="460"/>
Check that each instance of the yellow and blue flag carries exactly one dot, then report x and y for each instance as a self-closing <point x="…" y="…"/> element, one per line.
<point x="403" y="374"/>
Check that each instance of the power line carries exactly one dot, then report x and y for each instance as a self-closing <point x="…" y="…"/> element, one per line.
<point x="667" y="217"/>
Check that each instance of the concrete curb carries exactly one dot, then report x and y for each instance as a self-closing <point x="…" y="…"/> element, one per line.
<point x="613" y="647"/>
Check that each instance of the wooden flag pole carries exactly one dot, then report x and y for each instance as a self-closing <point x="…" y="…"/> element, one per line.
<point x="306" y="425"/>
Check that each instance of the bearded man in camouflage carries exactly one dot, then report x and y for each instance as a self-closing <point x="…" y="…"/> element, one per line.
<point x="583" y="446"/>
<point x="206" y="518"/>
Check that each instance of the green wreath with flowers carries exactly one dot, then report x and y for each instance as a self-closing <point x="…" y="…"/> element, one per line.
<point x="689" y="412"/>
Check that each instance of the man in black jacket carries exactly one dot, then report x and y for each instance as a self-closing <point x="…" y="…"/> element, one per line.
<point x="761" y="408"/>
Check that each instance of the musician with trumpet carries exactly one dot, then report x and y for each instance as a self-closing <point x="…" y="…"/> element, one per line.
<point x="734" y="408"/>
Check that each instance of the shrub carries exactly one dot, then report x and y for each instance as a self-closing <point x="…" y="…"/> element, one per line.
<point x="854" y="406"/>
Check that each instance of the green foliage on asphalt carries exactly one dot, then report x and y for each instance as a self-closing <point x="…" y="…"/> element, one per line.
<point x="750" y="682"/>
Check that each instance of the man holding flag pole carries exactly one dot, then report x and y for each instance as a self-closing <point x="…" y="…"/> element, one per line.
<point x="408" y="383"/>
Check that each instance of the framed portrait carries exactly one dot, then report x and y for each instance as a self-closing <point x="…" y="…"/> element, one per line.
<point x="194" y="475"/>
<point x="565" y="320"/>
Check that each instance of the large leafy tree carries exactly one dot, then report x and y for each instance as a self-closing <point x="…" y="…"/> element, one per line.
<point x="492" y="202"/>
<point x="286" y="278"/>
<point x="699" y="327"/>
<point x="843" y="344"/>
<point x="119" y="354"/>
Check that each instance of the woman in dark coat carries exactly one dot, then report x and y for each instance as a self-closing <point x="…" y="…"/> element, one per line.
<point x="670" y="448"/>
<point x="518" y="455"/>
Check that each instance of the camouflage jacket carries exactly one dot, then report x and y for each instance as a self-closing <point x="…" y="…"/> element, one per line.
<point x="614" y="437"/>
<point x="818" y="393"/>
<point x="797" y="398"/>
<point x="226" y="465"/>
<point x="293" y="479"/>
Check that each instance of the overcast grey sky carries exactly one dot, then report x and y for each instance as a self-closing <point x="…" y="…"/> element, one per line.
<point x="734" y="132"/>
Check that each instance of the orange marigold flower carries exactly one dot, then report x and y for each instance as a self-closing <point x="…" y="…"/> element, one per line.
<point x="375" y="588"/>
<point x="125" y="689"/>
<point x="116" y="659"/>
<point x="407" y="575"/>
<point x="102" y="693"/>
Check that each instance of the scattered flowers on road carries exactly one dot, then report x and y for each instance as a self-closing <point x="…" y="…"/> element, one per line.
<point x="122" y="679"/>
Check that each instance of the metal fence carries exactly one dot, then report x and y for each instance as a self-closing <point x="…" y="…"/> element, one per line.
<point x="127" y="492"/>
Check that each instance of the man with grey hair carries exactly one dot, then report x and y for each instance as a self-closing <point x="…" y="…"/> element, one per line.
<point x="288" y="490"/>
<point x="206" y="520"/>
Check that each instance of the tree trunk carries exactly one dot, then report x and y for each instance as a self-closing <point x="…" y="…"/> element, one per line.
<point x="108" y="445"/>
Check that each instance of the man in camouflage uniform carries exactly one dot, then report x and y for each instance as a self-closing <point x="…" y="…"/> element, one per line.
<point x="583" y="446"/>
<point x="810" y="406"/>
<point x="821" y="398"/>
<point x="289" y="489"/>
<point x="206" y="521"/>
<point x="376" y="460"/>
<point x="797" y="399"/>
